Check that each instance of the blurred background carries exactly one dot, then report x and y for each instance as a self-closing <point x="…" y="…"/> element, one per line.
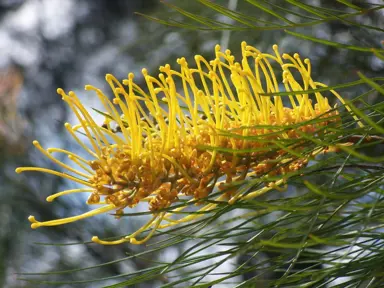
<point x="46" y="44"/>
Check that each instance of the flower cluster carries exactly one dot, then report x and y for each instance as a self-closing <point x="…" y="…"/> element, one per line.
<point x="186" y="131"/>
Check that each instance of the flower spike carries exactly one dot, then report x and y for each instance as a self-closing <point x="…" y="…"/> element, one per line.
<point x="150" y="147"/>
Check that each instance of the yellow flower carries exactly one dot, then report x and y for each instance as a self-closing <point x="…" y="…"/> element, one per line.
<point x="158" y="156"/>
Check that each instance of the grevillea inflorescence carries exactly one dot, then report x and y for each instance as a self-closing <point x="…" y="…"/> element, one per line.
<point x="150" y="147"/>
